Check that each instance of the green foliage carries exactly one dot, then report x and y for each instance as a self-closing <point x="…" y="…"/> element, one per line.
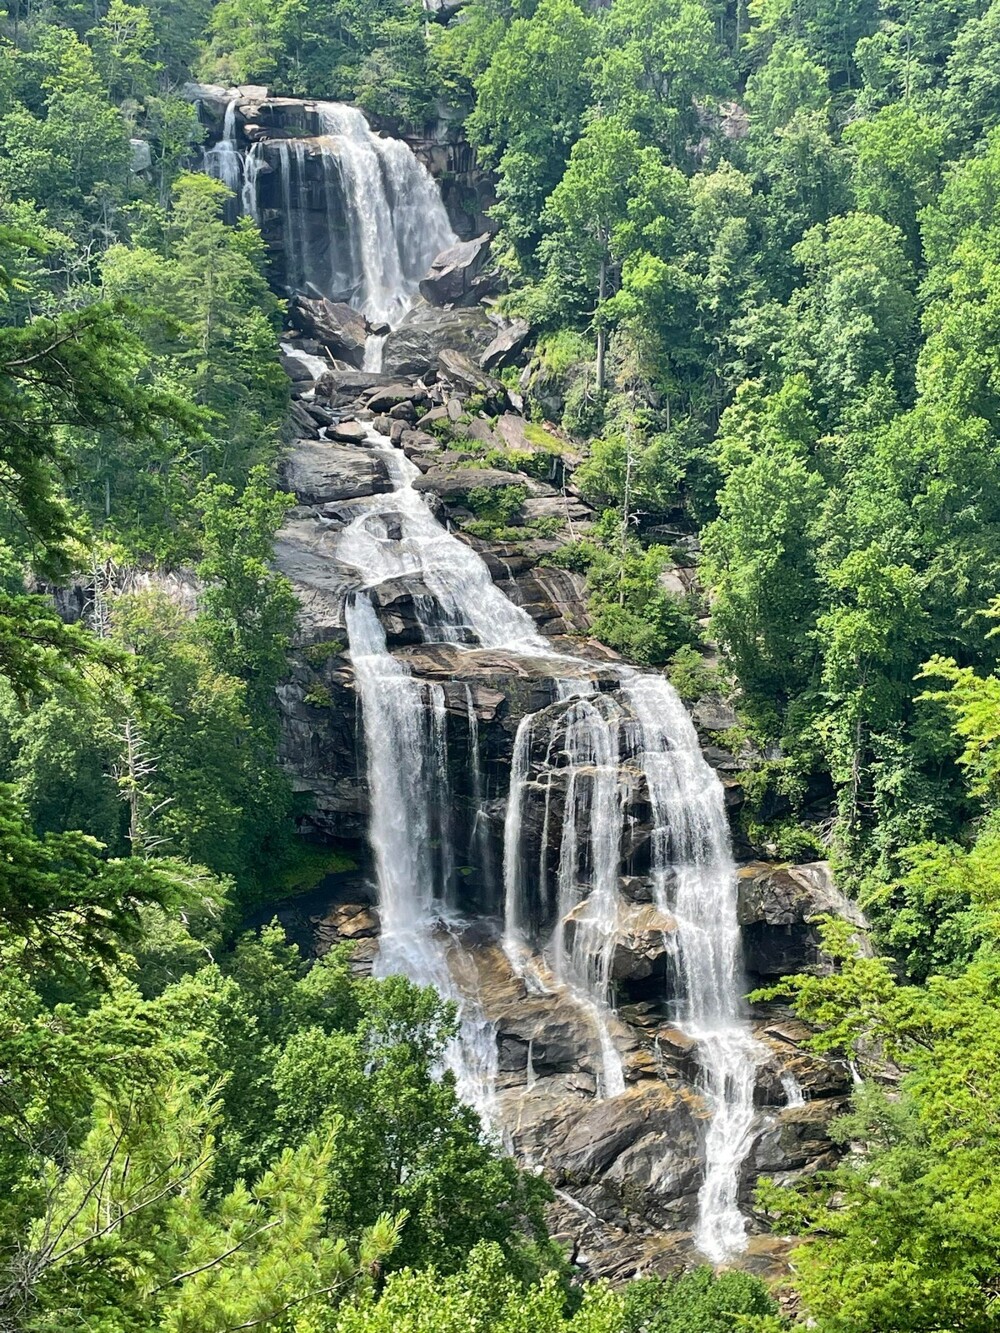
<point x="631" y="609"/>
<point x="691" y="676"/>
<point x="339" y="49"/>
<point x="482" y="1295"/>
<point x="700" y="1302"/>
<point x="539" y="63"/>
<point x="496" y="505"/>
<point x="899" y="1235"/>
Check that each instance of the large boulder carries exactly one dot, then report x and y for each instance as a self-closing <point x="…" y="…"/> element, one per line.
<point x="389" y="396"/>
<point x="454" y="278"/>
<point x="507" y="346"/>
<point x="413" y="348"/>
<point x="443" y="11"/>
<point x="778" y="909"/>
<point x="465" y="376"/>
<point x="140" y="155"/>
<point x="335" y="324"/>
<point x="318" y="471"/>
<point x="453" y="485"/>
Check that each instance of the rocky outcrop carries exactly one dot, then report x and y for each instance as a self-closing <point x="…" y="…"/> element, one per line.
<point x="507" y="346"/>
<point x="335" y="324"/>
<point x="779" y="910"/>
<point x="414" y="346"/>
<point x="456" y="277"/>
<point x="319" y="471"/>
<point x="627" y="1167"/>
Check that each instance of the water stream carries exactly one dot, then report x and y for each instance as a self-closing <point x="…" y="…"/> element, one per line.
<point x="576" y="764"/>
<point x="588" y="737"/>
<point x="363" y="217"/>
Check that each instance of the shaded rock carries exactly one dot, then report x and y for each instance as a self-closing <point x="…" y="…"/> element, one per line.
<point x="714" y="715"/>
<point x="570" y="511"/>
<point x="451" y="278"/>
<point x="320" y="471"/>
<point x="777" y="909"/>
<point x="480" y="430"/>
<point x="417" y="442"/>
<point x="303" y="420"/>
<point x="335" y="324"/>
<point x="321" y="415"/>
<point x="413" y="348"/>
<point x="676" y="1045"/>
<point x="443" y="11"/>
<point x="555" y="598"/>
<point x="349" y="432"/>
<point x="351" y="383"/>
<point x="507" y="346"/>
<point x="388" y="396"/>
<point x="295" y="368"/>
<point x="435" y="415"/>
<point x="815" y="1075"/>
<point x="349" y="921"/>
<point x="642" y="947"/>
<point x="454" y="486"/>
<point x="616" y="1125"/>
<point x="463" y="374"/>
<point x="140" y="156"/>
<point x="797" y="1137"/>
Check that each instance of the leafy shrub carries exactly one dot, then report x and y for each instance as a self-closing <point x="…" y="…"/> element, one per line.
<point x="496" y="504"/>
<point x="691" y="676"/>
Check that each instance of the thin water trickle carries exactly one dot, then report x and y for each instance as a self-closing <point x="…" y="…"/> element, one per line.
<point x="792" y="1088"/>
<point x="224" y="161"/>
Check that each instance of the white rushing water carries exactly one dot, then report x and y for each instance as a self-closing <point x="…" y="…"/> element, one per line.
<point x="406" y="774"/>
<point x="224" y="161"/>
<point x="583" y="740"/>
<point x="363" y="221"/>
<point x="692" y="858"/>
<point x="363" y="216"/>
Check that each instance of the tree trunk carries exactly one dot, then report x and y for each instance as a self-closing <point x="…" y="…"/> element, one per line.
<point x="602" y="333"/>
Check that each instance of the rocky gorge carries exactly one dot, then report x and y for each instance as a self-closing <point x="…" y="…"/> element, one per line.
<point x="423" y="551"/>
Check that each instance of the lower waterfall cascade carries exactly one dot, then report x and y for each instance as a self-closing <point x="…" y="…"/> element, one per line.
<point x="396" y="536"/>
<point x="552" y="835"/>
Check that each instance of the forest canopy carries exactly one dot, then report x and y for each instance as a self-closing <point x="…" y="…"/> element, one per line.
<point x="758" y="248"/>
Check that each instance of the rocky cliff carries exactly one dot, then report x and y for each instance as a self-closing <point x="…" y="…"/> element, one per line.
<point x="627" y="1155"/>
<point x="627" y="1169"/>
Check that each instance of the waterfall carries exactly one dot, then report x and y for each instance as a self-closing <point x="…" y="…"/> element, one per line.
<point x="406" y="765"/>
<point x="252" y="164"/>
<point x="579" y="746"/>
<point x="691" y="851"/>
<point x="396" y="222"/>
<point x="792" y="1088"/>
<point x="363" y="217"/>
<point x="224" y="161"/>
<point x="363" y="220"/>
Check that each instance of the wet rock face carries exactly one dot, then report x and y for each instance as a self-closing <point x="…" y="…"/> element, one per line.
<point x="627" y="1168"/>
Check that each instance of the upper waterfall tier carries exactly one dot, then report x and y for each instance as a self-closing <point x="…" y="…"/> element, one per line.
<point x="356" y="216"/>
